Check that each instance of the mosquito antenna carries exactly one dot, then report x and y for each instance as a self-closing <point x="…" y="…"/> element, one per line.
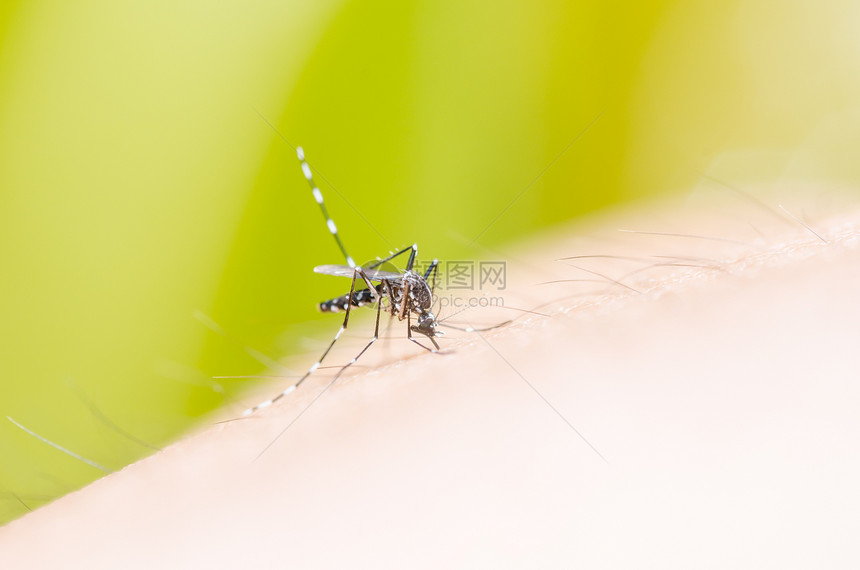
<point x="526" y="311"/>
<point x="470" y="328"/>
<point x="473" y="329"/>
<point x="449" y="316"/>
<point x="306" y="170"/>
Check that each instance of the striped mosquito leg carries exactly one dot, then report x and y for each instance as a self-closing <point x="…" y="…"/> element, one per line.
<point x="413" y="248"/>
<point x="318" y="363"/>
<point x="363" y="350"/>
<point x="306" y="170"/>
<point x="412" y="255"/>
<point x="432" y="269"/>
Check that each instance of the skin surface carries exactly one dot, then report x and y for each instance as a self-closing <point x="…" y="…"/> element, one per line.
<point x="707" y="419"/>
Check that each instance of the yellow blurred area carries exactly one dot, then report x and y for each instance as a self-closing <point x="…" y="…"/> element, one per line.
<point x="149" y="187"/>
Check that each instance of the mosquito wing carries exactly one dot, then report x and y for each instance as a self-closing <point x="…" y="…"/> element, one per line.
<point x="347" y="271"/>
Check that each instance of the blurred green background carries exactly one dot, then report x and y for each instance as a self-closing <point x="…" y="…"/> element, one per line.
<point x="148" y="181"/>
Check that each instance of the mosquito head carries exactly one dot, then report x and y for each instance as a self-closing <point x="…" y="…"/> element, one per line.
<point x="427" y="326"/>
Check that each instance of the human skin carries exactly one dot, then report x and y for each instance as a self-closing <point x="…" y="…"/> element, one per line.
<point x="706" y="416"/>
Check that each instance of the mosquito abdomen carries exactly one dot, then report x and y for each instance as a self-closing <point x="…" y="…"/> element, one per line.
<point x="359" y="299"/>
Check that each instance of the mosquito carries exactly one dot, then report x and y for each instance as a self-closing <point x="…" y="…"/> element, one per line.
<point x="405" y="294"/>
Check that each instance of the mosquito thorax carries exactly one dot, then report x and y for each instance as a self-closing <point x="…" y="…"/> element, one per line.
<point x="420" y="297"/>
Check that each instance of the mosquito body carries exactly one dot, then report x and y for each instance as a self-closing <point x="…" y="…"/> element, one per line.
<point x="406" y="294"/>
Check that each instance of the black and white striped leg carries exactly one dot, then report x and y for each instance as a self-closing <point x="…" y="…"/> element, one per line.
<point x="413" y="248"/>
<point x="359" y="272"/>
<point x="432" y="269"/>
<point x="412" y="255"/>
<point x="363" y="350"/>
<point x="332" y="228"/>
